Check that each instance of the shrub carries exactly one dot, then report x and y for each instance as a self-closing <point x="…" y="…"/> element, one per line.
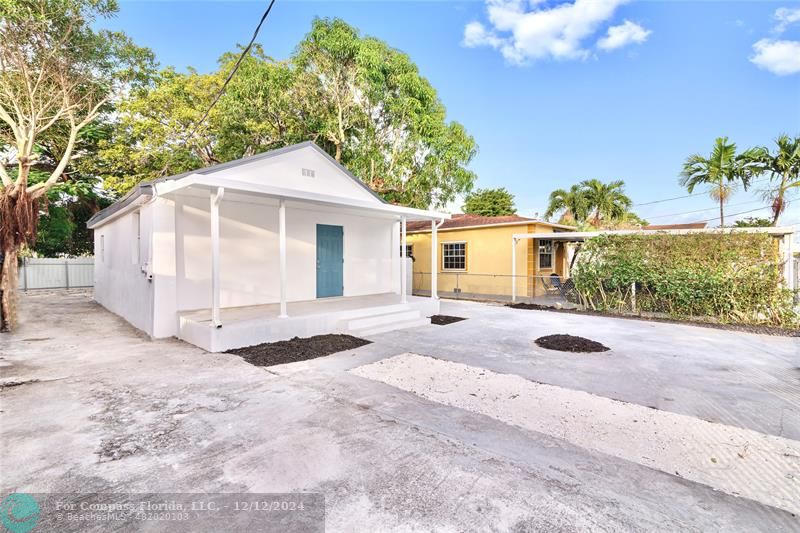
<point x="733" y="277"/>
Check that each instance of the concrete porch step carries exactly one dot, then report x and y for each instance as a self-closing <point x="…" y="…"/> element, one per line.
<point x="391" y="327"/>
<point x="386" y="317"/>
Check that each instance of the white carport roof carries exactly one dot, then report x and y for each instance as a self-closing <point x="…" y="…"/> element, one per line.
<point x="580" y="236"/>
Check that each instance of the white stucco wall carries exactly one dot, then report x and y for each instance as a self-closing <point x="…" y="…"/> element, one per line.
<point x="249" y="270"/>
<point x="120" y="284"/>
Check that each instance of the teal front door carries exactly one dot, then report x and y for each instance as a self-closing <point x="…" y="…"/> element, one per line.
<point x="330" y="261"/>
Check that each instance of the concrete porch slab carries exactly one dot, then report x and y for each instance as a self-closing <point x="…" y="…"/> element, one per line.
<point x="247" y="326"/>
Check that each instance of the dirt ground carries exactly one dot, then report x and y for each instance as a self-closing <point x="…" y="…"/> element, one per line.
<point x="297" y="349"/>
<point x="94" y="406"/>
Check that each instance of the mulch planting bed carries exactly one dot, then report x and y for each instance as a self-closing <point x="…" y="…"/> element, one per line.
<point x="443" y="320"/>
<point x="747" y="328"/>
<point x="570" y="343"/>
<point x="297" y="349"/>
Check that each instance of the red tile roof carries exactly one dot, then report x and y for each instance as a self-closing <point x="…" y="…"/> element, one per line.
<point x="463" y="221"/>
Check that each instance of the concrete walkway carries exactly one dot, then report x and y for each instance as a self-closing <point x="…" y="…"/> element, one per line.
<point x="93" y="406"/>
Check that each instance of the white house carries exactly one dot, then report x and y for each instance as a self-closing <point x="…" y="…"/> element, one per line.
<point x="282" y="244"/>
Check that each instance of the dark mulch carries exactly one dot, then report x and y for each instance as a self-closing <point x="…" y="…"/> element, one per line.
<point x="747" y="328"/>
<point x="570" y="343"/>
<point x="443" y="320"/>
<point x="297" y="349"/>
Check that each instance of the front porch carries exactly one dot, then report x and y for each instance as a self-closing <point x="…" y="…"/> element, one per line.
<point x="254" y="324"/>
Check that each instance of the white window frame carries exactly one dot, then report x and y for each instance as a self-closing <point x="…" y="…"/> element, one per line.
<point x="445" y="269"/>
<point x="539" y="254"/>
<point x="102" y="248"/>
<point x="136" y="245"/>
<point x="409" y="250"/>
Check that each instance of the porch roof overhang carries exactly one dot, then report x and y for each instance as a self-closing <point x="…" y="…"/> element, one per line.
<point x="198" y="183"/>
<point x="580" y="236"/>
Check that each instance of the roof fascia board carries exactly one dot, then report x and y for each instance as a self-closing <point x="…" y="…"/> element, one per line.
<point x="291" y="194"/>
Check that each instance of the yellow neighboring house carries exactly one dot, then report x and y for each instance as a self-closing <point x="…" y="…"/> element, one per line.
<point x="475" y="256"/>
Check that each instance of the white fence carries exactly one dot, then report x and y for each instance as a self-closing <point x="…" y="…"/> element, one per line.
<point x="46" y="273"/>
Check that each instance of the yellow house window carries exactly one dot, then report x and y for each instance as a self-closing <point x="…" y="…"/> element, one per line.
<point x="545" y="253"/>
<point x="454" y="256"/>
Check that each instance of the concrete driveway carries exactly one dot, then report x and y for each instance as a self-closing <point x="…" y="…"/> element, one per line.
<point x="92" y="406"/>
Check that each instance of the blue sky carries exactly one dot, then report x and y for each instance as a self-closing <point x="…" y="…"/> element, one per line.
<point x="553" y="97"/>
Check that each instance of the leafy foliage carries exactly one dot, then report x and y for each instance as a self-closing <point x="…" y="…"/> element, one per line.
<point x="362" y="101"/>
<point x="733" y="277"/>
<point x="753" y="222"/>
<point x="489" y="203"/>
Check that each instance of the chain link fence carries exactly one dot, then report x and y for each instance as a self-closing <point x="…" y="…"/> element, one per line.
<point x="542" y="290"/>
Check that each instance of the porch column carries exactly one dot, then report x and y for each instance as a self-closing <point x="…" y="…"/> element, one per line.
<point x="513" y="269"/>
<point x="216" y="198"/>
<point x="434" y="260"/>
<point x="282" y="253"/>
<point x="403" y="267"/>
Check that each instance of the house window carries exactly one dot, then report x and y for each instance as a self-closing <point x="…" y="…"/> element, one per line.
<point x="137" y="241"/>
<point x="545" y="253"/>
<point x="454" y="256"/>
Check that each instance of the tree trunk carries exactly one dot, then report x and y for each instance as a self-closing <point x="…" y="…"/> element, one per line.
<point x="8" y="291"/>
<point x="721" y="212"/>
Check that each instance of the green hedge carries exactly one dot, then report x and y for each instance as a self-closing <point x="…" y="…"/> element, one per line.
<point x="732" y="277"/>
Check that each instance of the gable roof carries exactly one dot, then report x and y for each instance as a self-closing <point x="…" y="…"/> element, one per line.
<point x="468" y="221"/>
<point x="146" y="188"/>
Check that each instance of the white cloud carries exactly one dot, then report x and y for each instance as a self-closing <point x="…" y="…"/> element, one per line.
<point x="525" y="31"/>
<point x="779" y="57"/>
<point x="786" y="17"/>
<point x="623" y="35"/>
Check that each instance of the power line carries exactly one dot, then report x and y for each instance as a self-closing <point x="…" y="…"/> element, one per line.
<point x="686" y="195"/>
<point x="735" y="214"/>
<point x="702" y="210"/>
<point x="225" y="83"/>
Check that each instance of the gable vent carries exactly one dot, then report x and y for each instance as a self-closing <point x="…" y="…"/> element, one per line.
<point x="307" y="172"/>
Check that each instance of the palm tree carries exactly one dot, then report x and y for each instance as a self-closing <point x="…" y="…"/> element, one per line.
<point x="572" y="204"/>
<point x="784" y="168"/>
<point x="722" y="171"/>
<point x="607" y="201"/>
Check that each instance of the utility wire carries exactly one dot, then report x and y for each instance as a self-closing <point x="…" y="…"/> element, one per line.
<point x="687" y="195"/>
<point x="735" y="214"/>
<point x="221" y="91"/>
<point x="702" y="210"/>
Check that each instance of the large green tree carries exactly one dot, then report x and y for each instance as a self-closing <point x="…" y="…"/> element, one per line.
<point x="57" y="76"/>
<point x="722" y="172"/>
<point x="489" y="203"/>
<point x="362" y="101"/>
